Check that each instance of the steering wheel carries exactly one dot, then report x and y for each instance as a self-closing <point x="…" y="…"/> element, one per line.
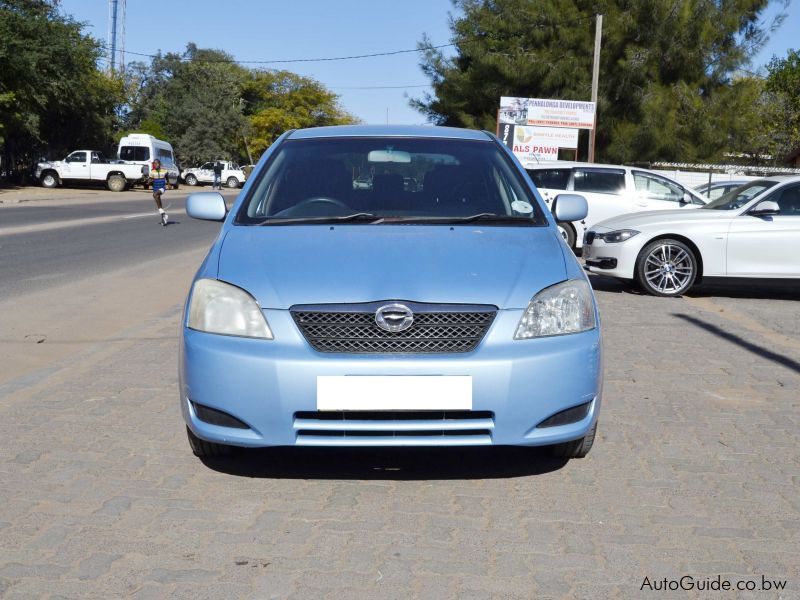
<point x="321" y="200"/>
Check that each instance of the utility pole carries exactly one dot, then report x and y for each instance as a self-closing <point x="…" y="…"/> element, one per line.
<point x="598" y="33"/>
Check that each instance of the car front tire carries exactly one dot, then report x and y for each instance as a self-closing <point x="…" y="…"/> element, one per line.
<point x="49" y="180"/>
<point x="568" y="233"/>
<point x="576" y="448"/>
<point x="204" y="449"/>
<point x="666" y="268"/>
<point x="190" y="179"/>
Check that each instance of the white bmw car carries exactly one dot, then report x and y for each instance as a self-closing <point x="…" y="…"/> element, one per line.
<point x="753" y="231"/>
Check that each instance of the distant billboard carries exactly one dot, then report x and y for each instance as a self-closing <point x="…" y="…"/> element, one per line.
<point x="532" y="144"/>
<point x="546" y="113"/>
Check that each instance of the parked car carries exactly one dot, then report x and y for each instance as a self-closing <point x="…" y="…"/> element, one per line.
<point x="450" y="314"/>
<point x="753" y="231"/>
<point x="86" y="166"/>
<point x="715" y="189"/>
<point x="610" y="190"/>
<point x="232" y="175"/>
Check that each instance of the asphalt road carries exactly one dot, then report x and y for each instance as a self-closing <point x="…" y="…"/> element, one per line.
<point x="49" y="242"/>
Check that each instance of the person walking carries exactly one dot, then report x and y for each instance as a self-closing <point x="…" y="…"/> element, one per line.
<point x="217" y="175"/>
<point x="158" y="179"/>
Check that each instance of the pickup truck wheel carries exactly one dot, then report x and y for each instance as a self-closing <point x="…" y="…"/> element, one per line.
<point x="117" y="183"/>
<point x="232" y="182"/>
<point x="49" y="180"/>
<point x="190" y="179"/>
<point x="567" y="231"/>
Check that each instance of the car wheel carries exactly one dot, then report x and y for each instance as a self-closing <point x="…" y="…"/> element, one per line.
<point x="567" y="232"/>
<point x="49" y="180"/>
<point x="117" y="183"/>
<point x="204" y="449"/>
<point x="190" y="179"/>
<point x="666" y="268"/>
<point x="232" y="182"/>
<point x="576" y="448"/>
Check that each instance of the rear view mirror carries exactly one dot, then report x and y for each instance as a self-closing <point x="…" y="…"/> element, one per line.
<point x="388" y="156"/>
<point x="766" y="208"/>
<point x="570" y="207"/>
<point x="209" y="206"/>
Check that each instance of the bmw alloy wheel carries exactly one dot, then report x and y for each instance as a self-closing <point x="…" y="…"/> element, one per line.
<point x="666" y="268"/>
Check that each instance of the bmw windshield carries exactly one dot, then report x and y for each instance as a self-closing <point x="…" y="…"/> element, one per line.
<point x="740" y="196"/>
<point x="383" y="180"/>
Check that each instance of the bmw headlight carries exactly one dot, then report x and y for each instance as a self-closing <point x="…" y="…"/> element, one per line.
<point x="615" y="237"/>
<point x="566" y="307"/>
<point x="218" y="307"/>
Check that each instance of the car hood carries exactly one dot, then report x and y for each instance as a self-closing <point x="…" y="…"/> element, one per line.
<point x="296" y="264"/>
<point x="656" y="218"/>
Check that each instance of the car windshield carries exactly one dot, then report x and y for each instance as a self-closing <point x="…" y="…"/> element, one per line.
<point x="740" y="196"/>
<point x="390" y="180"/>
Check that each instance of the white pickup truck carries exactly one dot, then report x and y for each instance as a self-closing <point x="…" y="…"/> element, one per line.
<point x="89" y="166"/>
<point x="232" y="175"/>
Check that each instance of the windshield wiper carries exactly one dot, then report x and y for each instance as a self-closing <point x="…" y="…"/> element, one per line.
<point x="355" y="217"/>
<point x="486" y="216"/>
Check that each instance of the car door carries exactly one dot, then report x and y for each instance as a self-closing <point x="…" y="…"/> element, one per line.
<point x="76" y="166"/>
<point x="653" y="192"/>
<point x="767" y="246"/>
<point x="604" y="190"/>
<point x="206" y="173"/>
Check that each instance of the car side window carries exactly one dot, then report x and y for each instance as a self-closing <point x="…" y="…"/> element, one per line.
<point x="654" y="187"/>
<point x="77" y="157"/>
<point x="788" y="199"/>
<point x="553" y="179"/>
<point x="600" y="181"/>
<point x="206" y="166"/>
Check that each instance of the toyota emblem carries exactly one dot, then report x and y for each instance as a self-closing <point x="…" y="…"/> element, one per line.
<point x="394" y="317"/>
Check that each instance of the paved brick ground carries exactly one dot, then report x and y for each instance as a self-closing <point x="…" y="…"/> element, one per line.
<point x="695" y="472"/>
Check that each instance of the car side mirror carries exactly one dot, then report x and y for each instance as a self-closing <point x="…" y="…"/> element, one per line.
<point x="687" y="198"/>
<point x="765" y="208"/>
<point x="209" y="206"/>
<point x="570" y="207"/>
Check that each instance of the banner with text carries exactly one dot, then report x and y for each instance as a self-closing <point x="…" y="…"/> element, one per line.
<point x="546" y="113"/>
<point x="532" y="144"/>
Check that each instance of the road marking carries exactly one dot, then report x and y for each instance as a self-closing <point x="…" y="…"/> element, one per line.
<point x="39" y="227"/>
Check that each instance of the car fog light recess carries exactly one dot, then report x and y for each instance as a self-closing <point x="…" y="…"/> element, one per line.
<point x="566" y="307"/>
<point x="222" y="308"/>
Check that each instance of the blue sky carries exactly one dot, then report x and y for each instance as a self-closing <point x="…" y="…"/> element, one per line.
<point x="276" y="30"/>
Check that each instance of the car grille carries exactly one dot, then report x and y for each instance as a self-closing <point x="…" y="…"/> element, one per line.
<point x="352" y="328"/>
<point x="589" y="238"/>
<point x="393" y="428"/>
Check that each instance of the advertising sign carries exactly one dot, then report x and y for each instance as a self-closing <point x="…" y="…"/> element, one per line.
<point x="547" y="113"/>
<point x="532" y="144"/>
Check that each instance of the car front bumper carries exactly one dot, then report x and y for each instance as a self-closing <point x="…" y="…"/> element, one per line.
<point x="516" y="384"/>
<point x="614" y="260"/>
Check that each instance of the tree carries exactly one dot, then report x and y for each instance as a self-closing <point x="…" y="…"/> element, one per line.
<point x="277" y="101"/>
<point x="52" y="96"/>
<point x="783" y="92"/>
<point x="667" y="69"/>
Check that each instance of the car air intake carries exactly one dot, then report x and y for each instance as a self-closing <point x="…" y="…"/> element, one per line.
<point x="352" y="328"/>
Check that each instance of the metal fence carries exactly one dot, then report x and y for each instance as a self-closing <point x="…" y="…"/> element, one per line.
<point x="695" y="175"/>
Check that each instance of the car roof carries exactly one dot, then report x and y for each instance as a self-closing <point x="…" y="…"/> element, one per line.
<point x="420" y="131"/>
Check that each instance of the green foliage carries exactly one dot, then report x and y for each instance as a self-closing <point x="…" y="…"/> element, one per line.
<point x="279" y="100"/>
<point x="52" y="97"/>
<point x="209" y="107"/>
<point x="667" y="90"/>
<point x="783" y="100"/>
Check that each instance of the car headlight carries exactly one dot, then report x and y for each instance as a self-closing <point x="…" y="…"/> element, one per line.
<point x="615" y="237"/>
<point x="566" y="307"/>
<point x="218" y="307"/>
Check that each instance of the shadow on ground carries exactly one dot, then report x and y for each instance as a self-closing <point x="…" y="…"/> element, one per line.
<point x="387" y="463"/>
<point x="756" y="349"/>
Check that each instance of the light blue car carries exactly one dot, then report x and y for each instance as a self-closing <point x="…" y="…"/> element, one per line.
<point x="436" y="306"/>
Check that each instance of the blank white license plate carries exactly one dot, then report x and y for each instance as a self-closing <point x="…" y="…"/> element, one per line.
<point x="394" y="392"/>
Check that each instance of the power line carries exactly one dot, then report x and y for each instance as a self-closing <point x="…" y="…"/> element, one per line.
<point x="293" y="60"/>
